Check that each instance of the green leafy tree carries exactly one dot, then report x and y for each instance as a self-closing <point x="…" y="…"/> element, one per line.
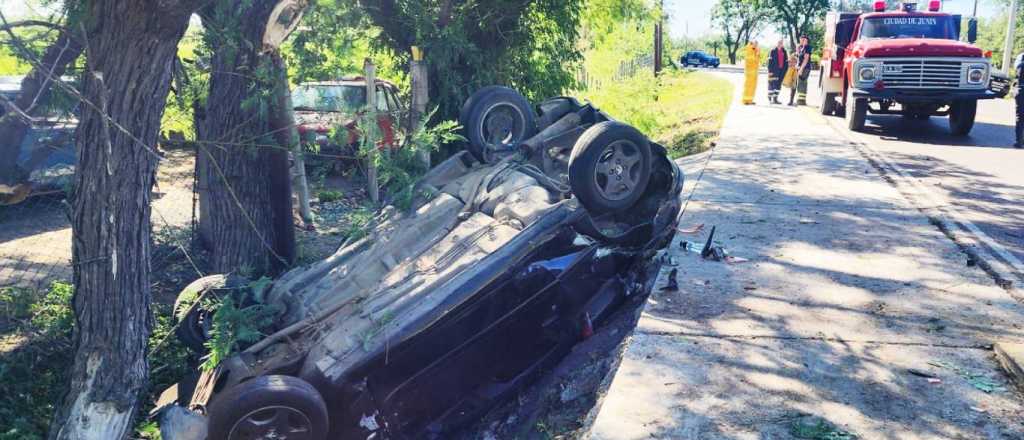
<point x="739" y="21"/>
<point x="333" y="41"/>
<point x="796" y="17"/>
<point x="530" y="45"/>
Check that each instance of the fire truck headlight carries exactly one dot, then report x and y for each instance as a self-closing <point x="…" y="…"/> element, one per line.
<point x="976" y="74"/>
<point x="866" y="73"/>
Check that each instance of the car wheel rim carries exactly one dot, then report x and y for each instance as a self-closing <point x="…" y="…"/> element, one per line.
<point x="273" y="423"/>
<point x="618" y="170"/>
<point x="503" y="124"/>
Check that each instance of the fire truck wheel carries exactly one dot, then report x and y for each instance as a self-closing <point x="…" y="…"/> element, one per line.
<point x="856" y="112"/>
<point x="961" y="117"/>
<point x="828" y="104"/>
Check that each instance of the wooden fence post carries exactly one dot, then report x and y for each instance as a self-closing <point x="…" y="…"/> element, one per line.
<point x="420" y="96"/>
<point x="370" y="132"/>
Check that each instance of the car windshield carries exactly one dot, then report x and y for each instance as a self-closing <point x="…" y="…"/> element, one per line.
<point x="333" y="98"/>
<point x="941" y="27"/>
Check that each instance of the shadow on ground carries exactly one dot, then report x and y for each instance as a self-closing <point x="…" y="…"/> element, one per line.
<point x="850" y="297"/>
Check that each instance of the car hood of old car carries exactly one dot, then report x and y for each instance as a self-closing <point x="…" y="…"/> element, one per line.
<point x="915" y="47"/>
<point x="321" y="121"/>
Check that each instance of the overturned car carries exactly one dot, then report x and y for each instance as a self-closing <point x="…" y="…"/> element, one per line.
<point x="525" y="243"/>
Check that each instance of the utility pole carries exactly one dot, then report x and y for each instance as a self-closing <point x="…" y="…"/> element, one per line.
<point x="659" y="40"/>
<point x="1011" y="30"/>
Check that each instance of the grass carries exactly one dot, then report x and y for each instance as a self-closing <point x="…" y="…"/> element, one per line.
<point x="682" y="110"/>
<point x="36" y="349"/>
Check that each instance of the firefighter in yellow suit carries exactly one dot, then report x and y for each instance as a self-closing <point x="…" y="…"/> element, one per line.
<point x="752" y="63"/>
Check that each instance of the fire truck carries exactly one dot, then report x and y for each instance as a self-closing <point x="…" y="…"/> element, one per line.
<point x="906" y="62"/>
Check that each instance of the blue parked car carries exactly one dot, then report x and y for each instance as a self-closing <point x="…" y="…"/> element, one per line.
<point x="699" y="58"/>
<point x="46" y="157"/>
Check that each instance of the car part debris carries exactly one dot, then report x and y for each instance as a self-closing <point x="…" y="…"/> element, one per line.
<point x="672" y="285"/>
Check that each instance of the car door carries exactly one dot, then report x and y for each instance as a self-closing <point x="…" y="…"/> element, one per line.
<point x="386" y="116"/>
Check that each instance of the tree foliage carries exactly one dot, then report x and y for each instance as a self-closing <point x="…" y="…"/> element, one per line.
<point x="796" y="17"/>
<point x="332" y="42"/>
<point x="526" y="44"/>
<point x="739" y="21"/>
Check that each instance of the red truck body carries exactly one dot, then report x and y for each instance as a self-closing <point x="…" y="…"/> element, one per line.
<point x="905" y="62"/>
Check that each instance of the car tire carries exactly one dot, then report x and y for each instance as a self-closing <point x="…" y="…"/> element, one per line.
<point x="494" y="112"/>
<point x="610" y="154"/>
<point x="268" y="405"/>
<point x="828" y="104"/>
<point x="472" y="100"/>
<point x="961" y="117"/>
<point x="193" y="322"/>
<point x="856" y="112"/>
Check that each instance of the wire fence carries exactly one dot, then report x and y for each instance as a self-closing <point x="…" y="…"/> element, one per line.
<point x="626" y="70"/>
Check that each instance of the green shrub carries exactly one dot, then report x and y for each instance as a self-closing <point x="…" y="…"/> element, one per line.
<point x="239" y="319"/>
<point x="328" y="196"/>
<point x="681" y="110"/>
<point x="36" y="350"/>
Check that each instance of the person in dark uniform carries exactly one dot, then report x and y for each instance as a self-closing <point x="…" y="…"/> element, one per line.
<point x="778" y="63"/>
<point x="803" y="70"/>
<point x="1019" y="131"/>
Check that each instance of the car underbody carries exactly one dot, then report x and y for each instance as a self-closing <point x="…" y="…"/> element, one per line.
<point x="496" y="271"/>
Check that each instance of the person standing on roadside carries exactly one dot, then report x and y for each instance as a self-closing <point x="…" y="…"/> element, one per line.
<point x="778" y="64"/>
<point x="803" y="71"/>
<point x="751" y="66"/>
<point x="1019" y="130"/>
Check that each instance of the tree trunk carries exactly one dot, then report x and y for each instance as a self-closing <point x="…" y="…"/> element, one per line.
<point x="35" y="96"/>
<point x="131" y="46"/>
<point x="238" y="149"/>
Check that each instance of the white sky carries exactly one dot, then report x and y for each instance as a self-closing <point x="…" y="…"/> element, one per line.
<point x="695" y="15"/>
<point x="15" y="9"/>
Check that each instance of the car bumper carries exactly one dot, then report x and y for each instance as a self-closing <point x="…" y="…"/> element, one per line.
<point x="924" y="95"/>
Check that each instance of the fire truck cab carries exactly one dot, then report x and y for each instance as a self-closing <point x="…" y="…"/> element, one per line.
<point x="905" y="62"/>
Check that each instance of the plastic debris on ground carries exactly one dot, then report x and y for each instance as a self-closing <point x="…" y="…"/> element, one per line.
<point x="691" y="230"/>
<point x="979" y="381"/>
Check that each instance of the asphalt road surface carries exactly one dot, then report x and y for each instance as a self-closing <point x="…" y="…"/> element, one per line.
<point x="981" y="175"/>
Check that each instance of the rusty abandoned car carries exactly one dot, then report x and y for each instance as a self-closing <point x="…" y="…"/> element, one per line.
<point x="522" y="246"/>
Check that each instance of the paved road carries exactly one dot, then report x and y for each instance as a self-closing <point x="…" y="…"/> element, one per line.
<point x="849" y="297"/>
<point x="981" y="175"/>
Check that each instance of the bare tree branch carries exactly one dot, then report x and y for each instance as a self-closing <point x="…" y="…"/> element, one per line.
<point x="32" y="23"/>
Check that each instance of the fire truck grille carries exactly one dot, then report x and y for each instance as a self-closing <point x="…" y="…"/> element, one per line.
<point x="922" y="74"/>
